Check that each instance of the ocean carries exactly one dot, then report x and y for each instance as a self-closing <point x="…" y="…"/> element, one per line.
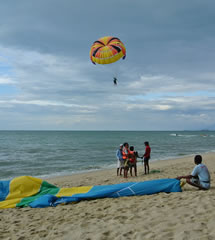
<point x="56" y="153"/>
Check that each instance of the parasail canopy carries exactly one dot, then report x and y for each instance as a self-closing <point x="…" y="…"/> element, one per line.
<point x="34" y="192"/>
<point x="107" y="50"/>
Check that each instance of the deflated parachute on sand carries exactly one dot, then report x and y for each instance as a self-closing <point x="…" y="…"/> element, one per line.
<point x="34" y="192"/>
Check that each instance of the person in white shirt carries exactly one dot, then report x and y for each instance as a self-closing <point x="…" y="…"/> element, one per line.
<point x="120" y="161"/>
<point x="200" y="176"/>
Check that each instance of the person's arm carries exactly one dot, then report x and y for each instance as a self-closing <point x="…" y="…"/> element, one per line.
<point x="117" y="154"/>
<point x="144" y="154"/>
<point x="194" y="174"/>
<point x="120" y="155"/>
<point x="186" y="177"/>
<point x="137" y="155"/>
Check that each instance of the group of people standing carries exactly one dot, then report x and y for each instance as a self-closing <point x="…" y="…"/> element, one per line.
<point x="127" y="159"/>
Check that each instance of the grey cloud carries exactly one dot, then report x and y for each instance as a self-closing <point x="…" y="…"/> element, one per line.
<point x="170" y="55"/>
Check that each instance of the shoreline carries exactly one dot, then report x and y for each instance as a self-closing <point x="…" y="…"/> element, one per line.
<point x="183" y="215"/>
<point x="154" y="165"/>
<point x="112" y="167"/>
<point x="169" y="168"/>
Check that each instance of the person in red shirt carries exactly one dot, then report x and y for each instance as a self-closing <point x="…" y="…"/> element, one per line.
<point x="146" y="157"/>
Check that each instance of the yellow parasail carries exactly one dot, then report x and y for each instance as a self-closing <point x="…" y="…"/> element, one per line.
<point x="107" y="50"/>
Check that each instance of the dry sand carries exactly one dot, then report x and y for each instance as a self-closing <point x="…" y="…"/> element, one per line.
<point x="186" y="215"/>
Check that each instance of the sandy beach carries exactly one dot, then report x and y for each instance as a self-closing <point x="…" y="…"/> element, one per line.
<point x="186" y="215"/>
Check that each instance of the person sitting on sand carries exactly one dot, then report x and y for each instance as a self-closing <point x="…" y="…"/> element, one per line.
<point x="200" y="176"/>
<point x="120" y="161"/>
<point x="133" y="160"/>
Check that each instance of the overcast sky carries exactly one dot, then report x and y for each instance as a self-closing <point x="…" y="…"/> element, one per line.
<point x="166" y="82"/>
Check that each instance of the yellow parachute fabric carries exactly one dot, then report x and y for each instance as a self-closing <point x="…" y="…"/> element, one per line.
<point x="107" y="50"/>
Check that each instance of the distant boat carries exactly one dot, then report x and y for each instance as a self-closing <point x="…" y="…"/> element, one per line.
<point x="174" y="134"/>
<point x="204" y="135"/>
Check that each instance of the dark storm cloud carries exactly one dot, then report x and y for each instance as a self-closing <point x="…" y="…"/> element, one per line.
<point x="53" y="25"/>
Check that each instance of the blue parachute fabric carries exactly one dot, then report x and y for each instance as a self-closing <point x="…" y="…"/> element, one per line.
<point x="44" y="201"/>
<point x="34" y="192"/>
<point x="131" y="189"/>
<point x="113" y="191"/>
<point x="4" y="189"/>
<point x="150" y="187"/>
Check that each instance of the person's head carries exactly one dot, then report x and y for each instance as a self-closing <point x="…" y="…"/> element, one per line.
<point x="121" y="146"/>
<point x="131" y="148"/>
<point x="146" y="143"/>
<point x="198" y="159"/>
<point x="126" y="145"/>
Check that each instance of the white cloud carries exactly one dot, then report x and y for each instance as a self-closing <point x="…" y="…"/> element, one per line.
<point x="62" y="90"/>
<point x="5" y="80"/>
<point x="163" y="84"/>
<point x="82" y="108"/>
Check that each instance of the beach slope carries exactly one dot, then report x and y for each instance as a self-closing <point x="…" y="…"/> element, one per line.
<point x="186" y="215"/>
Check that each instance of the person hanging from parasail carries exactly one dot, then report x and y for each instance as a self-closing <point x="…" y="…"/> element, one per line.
<point x="107" y="50"/>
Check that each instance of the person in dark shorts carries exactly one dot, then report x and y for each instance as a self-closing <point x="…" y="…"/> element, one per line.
<point x="146" y="157"/>
<point x="133" y="160"/>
